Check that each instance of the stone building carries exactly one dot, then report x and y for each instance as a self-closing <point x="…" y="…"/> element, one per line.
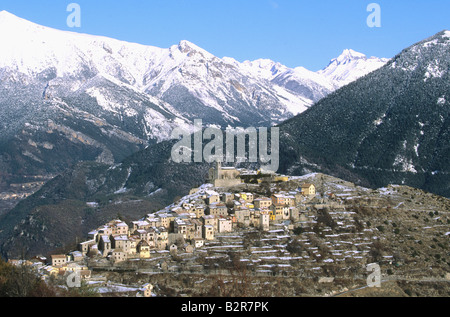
<point x="308" y="189"/>
<point x="262" y="202"/>
<point x="264" y="220"/>
<point x="217" y="209"/>
<point x="208" y="232"/>
<point x="143" y="249"/>
<point x="58" y="260"/>
<point x="225" y="225"/>
<point x="224" y="176"/>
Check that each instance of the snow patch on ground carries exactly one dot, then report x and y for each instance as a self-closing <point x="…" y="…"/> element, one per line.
<point x="404" y="164"/>
<point x="433" y="71"/>
<point x="441" y="101"/>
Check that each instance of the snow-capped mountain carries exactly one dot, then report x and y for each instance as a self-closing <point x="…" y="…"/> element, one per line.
<point x="196" y="83"/>
<point x="389" y="127"/>
<point x="200" y="85"/>
<point x="350" y="66"/>
<point x="346" y="68"/>
<point x="262" y="68"/>
<point x="31" y="49"/>
<point x="53" y="65"/>
<point x="67" y="96"/>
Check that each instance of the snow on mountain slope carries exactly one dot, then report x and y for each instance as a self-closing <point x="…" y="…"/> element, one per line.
<point x="350" y="66"/>
<point x="67" y="97"/>
<point x="31" y="49"/>
<point x="188" y="80"/>
<point x="313" y="86"/>
<point x="235" y="91"/>
<point x="306" y="83"/>
<point x="263" y="68"/>
<point x="156" y="117"/>
<point x="399" y="132"/>
<point x="193" y="81"/>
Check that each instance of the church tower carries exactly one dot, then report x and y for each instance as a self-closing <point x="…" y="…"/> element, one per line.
<point x="224" y="176"/>
<point x="218" y="168"/>
<point x="214" y="172"/>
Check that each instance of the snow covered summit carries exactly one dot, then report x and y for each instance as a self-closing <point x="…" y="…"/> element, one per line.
<point x="350" y="66"/>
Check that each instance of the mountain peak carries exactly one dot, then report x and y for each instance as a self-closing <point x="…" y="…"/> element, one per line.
<point x="264" y="67"/>
<point x="351" y="65"/>
<point x="189" y="48"/>
<point x="184" y="43"/>
<point x="9" y="21"/>
<point x="186" y="47"/>
<point x="7" y="16"/>
<point x="350" y="52"/>
<point x="5" y="13"/>
<point x="444" y="34"/>
<point x="348" y="55"/>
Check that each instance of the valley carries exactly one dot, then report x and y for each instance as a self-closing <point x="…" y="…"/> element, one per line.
<point x="96" y="185"/>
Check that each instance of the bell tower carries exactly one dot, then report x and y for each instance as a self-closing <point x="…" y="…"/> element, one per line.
<point x="218" y="168"/>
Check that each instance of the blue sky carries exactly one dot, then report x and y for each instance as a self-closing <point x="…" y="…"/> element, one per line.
<point x="292" y="32"/>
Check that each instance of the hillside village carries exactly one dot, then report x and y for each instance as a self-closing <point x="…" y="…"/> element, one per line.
<point x="196" y="218"/>
<point x="312" y="226"/>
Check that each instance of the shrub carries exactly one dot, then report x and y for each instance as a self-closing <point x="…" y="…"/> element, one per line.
<point x="358" y="224"/>
<point x="295" y="247"/>
<point x="325" y="218"/>
<point x="298" y="230"/>
<point x="376" y="251"/>
<point x="22" y="281"/>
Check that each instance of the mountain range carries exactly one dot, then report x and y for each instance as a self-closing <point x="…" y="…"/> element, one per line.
<point x="67" y="97"/>
<point x="389" y="126"/>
